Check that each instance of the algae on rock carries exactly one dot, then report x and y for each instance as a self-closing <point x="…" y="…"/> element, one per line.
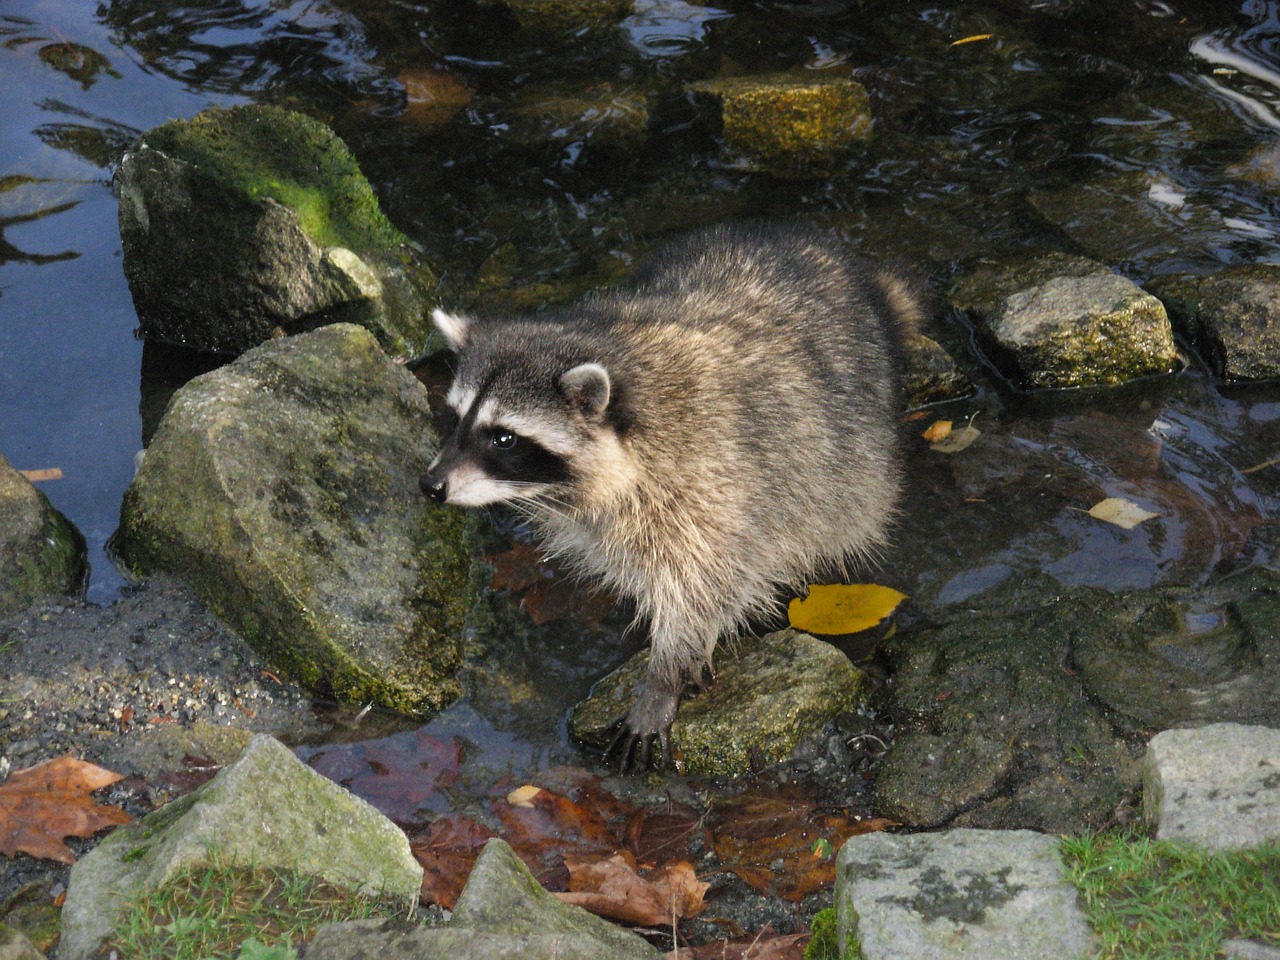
<point x="770" y="693"/>
<point x="790" y="125"/>
<point x="242" y="224"/>
<point x="41" y="553"/>
<point x="284" y="489"/>
<point x="1064" y="321"/>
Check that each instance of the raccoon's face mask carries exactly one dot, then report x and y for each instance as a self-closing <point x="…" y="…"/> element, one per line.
<point x="494" y="447"/>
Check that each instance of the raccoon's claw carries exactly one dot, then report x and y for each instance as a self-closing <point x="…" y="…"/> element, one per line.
<point x="649" y="719"/>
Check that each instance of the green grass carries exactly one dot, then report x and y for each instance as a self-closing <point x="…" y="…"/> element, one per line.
<point x="217" y="911"/>
<point x="1160" y="900"/>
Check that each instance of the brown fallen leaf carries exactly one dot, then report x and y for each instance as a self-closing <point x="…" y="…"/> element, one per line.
<point x="39" y="476"/>
<point x="612" y="888"/>
<point x="447" y="850"/>
<point x="43" y="804"/>
<point x="674" y="831"/>
<point x="546" y="828"/>
<point x="768" y="840"/>
<point x="546" y="594"/>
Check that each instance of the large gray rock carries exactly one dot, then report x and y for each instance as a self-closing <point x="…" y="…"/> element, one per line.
<point x="1064" y="321"/>
<point x="503" y="913"/>
<point x="1233" y="318"/>
<point x="966" y="893"/>
<point x="284" y="489"/>
<point x="242" y="224"/>
<point x="770" y="692"/>
<point x="1217" y="786"/>
<point x="41" y="553"/>
<point x="266" y="810"/>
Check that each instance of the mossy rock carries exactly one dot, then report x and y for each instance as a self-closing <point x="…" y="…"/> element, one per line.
<point x="41" y="554"/>
<point x="283" y="488"/>
<point x="242" y="224"/>
<point x="770" y="693"/>
<point x="790" y="125"/>
<point x="1065" y="321"/>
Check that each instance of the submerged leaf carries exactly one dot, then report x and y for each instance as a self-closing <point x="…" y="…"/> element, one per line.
<point x="1123" y="513"/>
<point x="843" y="607"/>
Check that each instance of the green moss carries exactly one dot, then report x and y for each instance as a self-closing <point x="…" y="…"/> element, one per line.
<point x="266" y="152"/>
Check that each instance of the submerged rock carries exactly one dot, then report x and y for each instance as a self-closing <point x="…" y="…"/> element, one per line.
<point x="1233" y="318"/>
<point x="998" y="895"/>
<point x="565" y="20"/>
<point x="503" y="912"/>
<point x="239" y="225"/>
<point x="1065" y="321"/>
<point x="41" y="553"/>
<point x="607" y="122"/>
<point x="267" y="810"/>
<point x="787" y="124"/>
<point x="284" y="489"/>
<point x="770" y="693"/>
<point x="930" y="374"/>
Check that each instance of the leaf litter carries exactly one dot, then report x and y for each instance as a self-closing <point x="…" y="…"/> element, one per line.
<point x="42" y="805"/>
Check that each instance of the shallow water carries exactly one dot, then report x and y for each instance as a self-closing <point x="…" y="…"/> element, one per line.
<point x="1116" y="130"/>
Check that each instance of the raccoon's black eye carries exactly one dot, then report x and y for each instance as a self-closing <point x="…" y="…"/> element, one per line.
<point x="504" y="439"/>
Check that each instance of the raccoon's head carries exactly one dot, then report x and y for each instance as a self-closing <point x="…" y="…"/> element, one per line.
<point x="519" y="420"/>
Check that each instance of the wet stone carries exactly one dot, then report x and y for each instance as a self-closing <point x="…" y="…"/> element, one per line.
<point x="999" y="895"/>
<point x="41" y="553"/>
<point x="565" y="20"/>
<point x="770" y="693"/>
<point x="930" y="374"/>
<point x="1217" y="786"/>
<point x="790" y="125"/>
<point x="1233" y="318"/>
<point x="573" y="122"/>
<point x="1064" y="321"/>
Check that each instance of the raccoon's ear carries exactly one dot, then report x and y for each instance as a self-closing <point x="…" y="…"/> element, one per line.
<point x="452" y="327"/>
<point x="587" y="387"/>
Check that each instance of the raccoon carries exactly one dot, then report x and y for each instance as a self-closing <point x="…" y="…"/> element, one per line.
<point x="713" y="429"/>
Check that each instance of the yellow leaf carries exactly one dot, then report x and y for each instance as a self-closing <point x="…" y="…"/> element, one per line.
<point x="843" y="607"/>
<point x="971" y="39"/>
<point x="1121" y="512"/>
<point x="938" y="430"/>
<point x="957" y="440"/>
<point x="523" y="796"/>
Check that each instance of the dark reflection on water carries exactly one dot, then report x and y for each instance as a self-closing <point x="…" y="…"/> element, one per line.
<point x="1118" y="130"/>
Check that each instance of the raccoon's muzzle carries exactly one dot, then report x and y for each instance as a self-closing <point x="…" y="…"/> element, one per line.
<point x="436" y="488"/>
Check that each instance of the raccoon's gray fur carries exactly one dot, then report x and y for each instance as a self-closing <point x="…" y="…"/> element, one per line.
<point x="720" y="425"/>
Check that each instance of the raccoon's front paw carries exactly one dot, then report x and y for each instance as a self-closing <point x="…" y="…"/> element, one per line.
<point x="649" y="719"/>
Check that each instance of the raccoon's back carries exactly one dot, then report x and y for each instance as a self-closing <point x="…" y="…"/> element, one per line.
<point x="758" y="370"/>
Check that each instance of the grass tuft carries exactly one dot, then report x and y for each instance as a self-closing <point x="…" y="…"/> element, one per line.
<point x="216" y="910"/>
<point x="1160" y="900"/>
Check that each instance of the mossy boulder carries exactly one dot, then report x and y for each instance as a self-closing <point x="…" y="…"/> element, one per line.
<point x="770" y="693"/>
<point x="930" y="375"/>
<point x="1233" y="318"/>
<point x="1065" y="321"/>
<point x="283" y="488"/>
<point x="243" y="224"/>
<point x="268" y="810"/>
<point x="787" y="124"/>
<point x="41" y="553"/>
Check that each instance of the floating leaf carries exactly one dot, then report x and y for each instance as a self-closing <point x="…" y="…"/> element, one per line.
<point x="613" y="888"/>
<point x="938" y="430"/>
<point x="523" y="796"/>
<point x="843" y="607"/>
<point x="973" y="38"/>
<point x="957" y="440"/>
<point x="42" y="804"/>
<point x="1123" y="513"/>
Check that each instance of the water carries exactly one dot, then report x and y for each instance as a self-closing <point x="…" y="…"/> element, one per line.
<point x="1114" y="129"/>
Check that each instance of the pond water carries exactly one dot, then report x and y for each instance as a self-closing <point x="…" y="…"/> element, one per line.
<point x="1121" y="130"/>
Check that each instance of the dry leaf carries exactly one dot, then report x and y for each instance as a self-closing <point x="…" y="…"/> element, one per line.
<point x="843" y="607"/>
<point x="938" y="430"/>
<point x="43" y="804"/>
<point x="613" y="888"/>
<point x="974" y="38"/>
<point x="1123" y="513"/>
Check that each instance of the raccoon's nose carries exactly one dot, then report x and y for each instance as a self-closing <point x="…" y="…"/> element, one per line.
<point x="434" y="487"/>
